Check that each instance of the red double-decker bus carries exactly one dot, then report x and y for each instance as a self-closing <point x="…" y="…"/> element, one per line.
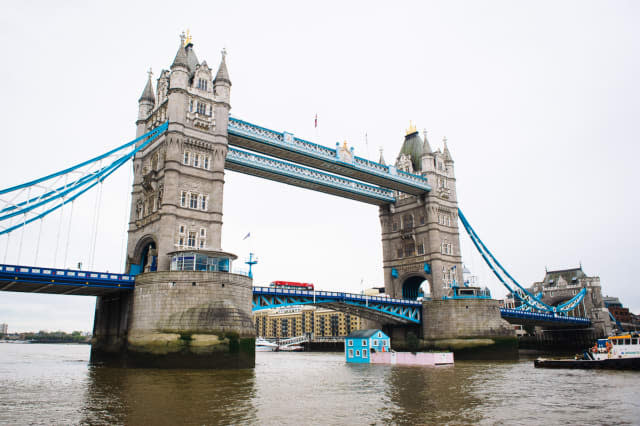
<point x="291" y="285"/>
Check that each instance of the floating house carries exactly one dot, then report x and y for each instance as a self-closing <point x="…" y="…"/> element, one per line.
<point x="360" y="344"/>
<point x="374" y="347"/>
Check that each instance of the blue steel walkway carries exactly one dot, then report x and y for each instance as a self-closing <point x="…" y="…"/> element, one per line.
<point x="288" y="147"/>
<point x="384" y="309"/>
<point x="30" y="279"/>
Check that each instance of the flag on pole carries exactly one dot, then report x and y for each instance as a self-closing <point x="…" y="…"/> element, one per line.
<point x="315" y="123"/>
<point x="246" y="236"/>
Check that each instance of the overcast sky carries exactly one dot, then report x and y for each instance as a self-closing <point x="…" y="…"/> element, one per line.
<point x="539" y="101"/>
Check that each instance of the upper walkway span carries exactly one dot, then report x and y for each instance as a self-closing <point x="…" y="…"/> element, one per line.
<point x="288" y="147"/>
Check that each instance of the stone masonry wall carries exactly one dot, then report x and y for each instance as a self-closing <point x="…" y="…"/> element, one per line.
<point x="470" y="318"/>
<point x="192" y="302"/>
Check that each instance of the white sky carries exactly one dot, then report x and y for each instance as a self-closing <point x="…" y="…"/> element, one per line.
<point x="539" y="101"/>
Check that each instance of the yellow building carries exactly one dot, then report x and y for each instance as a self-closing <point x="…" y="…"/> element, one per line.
<point x="300" y="320"/>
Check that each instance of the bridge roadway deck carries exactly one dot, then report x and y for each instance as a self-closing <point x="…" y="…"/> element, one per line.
<point x="285" y="146"/>
<point x="31" y="279"/>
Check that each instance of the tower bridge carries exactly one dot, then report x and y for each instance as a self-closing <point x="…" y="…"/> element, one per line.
<point x="179" y="302"/>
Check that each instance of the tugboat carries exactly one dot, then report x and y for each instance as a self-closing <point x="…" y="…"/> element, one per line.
<point x="613" y="353"/>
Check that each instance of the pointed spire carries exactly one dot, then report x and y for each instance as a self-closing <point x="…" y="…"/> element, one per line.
<point x="445" y="151"/>
<point x="181" y="55"/>
<point x="223" y="73"/>
<point x="381" y="160"/>
<point x="147" y="93"/>
<point x="426" y="148"/>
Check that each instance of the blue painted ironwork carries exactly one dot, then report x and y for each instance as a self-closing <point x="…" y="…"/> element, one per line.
<point x="34" y="279"/>
<point x="521" y="293"/>
<point x="543" y="317"/>
<point x="287" y="141"/>
<point x="267" y="298"/>
<point x="54" y="199"/>
<point x="305" y="174"/>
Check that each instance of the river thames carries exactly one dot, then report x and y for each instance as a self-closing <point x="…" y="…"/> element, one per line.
<point x="54" y="384"/>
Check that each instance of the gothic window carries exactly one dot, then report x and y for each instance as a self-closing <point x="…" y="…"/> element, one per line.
<point x="203" y="203"/>
<point x="202" y="84"/>
<point x="187" y="158"/>
<point x="420" y="249"/>
<point x="181" y="229"/>
<point x="193" y="201"/>
<point x="196" y="160"/>
<point x="409" y="249"/>
<point x="181" y="242"/>
<point x="205" y="164"/>
<point x="154" y="162"/>
<point x="191" y="240"/>
<point x="191" y="105"/>
<point x="202" y="108"/>
<point x="183" y="199"/>
<point x="422" y="220"/>
<point x="446" y="247"/>
<point x="395" y="226"/>
<point x="400" y="251"/>
<point x="407" y="222"/>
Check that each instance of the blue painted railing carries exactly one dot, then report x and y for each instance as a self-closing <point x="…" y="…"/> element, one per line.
<point x="292" y="170"/>
<point x="16" y="274"/>
<point x="287" y="141"/>
<point x="409" y="311"/>
<point x="537" y="316"/>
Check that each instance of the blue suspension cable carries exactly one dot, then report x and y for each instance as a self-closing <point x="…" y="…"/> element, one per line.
<point x="97" y="178"/>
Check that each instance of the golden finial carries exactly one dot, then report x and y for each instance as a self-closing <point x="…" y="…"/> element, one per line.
<point x="187" y="40"/>
<point x="412" y="128"/>
<point x="344" y="145"/>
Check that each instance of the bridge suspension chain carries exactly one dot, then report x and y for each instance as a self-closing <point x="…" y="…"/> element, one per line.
<point x="521" y="293"/>
<point x="54" y="195"/>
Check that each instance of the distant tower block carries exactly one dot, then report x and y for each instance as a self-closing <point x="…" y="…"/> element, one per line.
<point x="188" y="308"/>
<point x="420" y="238"/>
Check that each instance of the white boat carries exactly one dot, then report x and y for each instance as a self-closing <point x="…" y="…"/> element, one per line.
<point x="263" y="345"/>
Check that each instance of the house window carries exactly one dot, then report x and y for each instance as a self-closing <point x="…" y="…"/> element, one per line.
<point x="181" y="229"/>
<point x="364" y="342"/>
<point x="364" y="353"/>
<point x="350" y="353"/>
<point x="183" y="199"/>
<point x="193" y="201"/>
<point x="187" y="157"/>
<point x="196" y="160"/>
<point x="357" y="353"/>
<point x="206" y="162"/>
<point x="191" y="241"/>
<point x="203" y="232"/>
<point x="379" y="334"/>
<point x="201" y="243"/>
<point x="181" y="242"/>
<point x="203" y="203"/>
<point x="375" y="343"/>
<point x="420" y="249"/>
<point x="350" y="342"/>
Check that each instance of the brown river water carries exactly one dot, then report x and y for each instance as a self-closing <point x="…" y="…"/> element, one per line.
<point x="54" y="384"/>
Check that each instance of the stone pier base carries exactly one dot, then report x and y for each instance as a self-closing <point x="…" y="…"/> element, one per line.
<point x="178" y="320"/>
<point x="471" y="328"/>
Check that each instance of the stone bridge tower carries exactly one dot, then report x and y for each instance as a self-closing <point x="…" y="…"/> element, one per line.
<point x="188" y="308"/>
<point x="176" y="201"/>
<point x="420" y="238"/>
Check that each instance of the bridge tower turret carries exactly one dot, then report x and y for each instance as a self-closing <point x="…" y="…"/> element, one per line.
<point x="420" y="235"/>
<point x="188" y="308"/>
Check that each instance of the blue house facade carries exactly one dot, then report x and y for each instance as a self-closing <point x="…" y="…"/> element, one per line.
<point x="359" y="344"/>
